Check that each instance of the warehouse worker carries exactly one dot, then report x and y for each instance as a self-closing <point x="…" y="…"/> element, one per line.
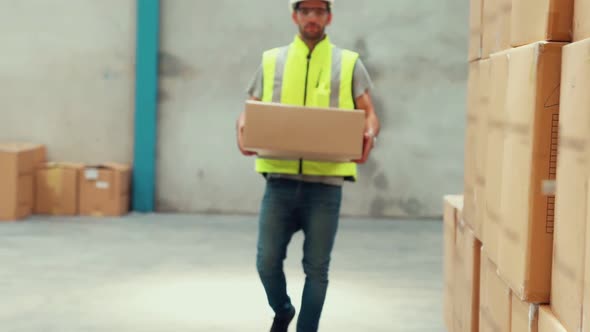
<point x="301" y="194"/>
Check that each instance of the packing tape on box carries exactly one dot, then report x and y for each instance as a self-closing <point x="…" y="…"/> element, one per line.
<point x="562" y="19"/>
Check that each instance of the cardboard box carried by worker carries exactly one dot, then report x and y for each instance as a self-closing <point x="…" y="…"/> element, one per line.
<point x="280" y="131"/>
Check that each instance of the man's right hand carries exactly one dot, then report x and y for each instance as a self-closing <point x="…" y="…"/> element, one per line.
<point x="240" y="133"/>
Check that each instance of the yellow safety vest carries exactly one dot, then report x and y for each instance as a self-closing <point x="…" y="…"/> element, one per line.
<point x="293" y="76"/>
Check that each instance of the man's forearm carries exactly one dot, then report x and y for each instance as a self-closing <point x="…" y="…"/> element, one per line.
<point x="371" y="121"/>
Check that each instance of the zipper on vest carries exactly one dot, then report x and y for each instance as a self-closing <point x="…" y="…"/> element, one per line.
<point x="305" y="103"/>
<point x="306" y="76"/>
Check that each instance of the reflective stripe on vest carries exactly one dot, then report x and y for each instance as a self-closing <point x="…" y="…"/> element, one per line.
<point x="328" y="75"/>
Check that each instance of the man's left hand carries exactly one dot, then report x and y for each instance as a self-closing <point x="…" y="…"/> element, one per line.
<point x="368" y="144"/>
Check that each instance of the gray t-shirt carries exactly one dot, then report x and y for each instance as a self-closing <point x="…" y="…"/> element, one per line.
<point x="361" y="82"/>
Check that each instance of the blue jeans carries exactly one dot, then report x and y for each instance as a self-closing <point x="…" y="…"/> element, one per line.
<point x="287" y="207"/>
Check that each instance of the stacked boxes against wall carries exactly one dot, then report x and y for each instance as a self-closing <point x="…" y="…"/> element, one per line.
<point x="526" y="196"/>
<point x="33" y="186"/>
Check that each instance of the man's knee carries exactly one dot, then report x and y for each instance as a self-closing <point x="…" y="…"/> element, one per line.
<point x="268" y="264"/>
<point x="317" y="270"/>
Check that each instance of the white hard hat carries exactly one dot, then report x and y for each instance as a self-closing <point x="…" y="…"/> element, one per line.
<point x="292" y="3"/>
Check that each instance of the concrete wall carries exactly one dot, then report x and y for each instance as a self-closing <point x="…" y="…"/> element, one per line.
<point x="415" y="52"/>
<point x="67" y="80"/>
<point x="67" y="77"/>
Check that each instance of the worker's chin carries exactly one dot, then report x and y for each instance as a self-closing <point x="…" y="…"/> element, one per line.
<point x="313" y="35"/>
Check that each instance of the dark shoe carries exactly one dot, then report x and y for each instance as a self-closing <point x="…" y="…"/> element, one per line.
<point x="281" y="322"/>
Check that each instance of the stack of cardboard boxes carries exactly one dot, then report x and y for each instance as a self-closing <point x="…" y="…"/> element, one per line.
<point x="32" y="185"/>
<point x="517" y="247"/>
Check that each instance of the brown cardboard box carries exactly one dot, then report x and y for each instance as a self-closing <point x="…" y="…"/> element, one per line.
<point x="496" y="26"/>
<point x="541" y="20"/>
<point x="548" y="322"/>
<point x="291" y="132"/>
<point x="473" y="103"/>
<point x="530" y="158"/>
<point x="475" y="29"/>
<point x="525" y="316"/>
<point x="495" y="299"/>
<point x="18" y="162"/>
<point x="104" y="190"/>
<point x="56" y="188"/>
<point x="572" y="166"/>
<point x="495" y="153"/>
<point x="581" y="24"/>
<point x="481" y="146"/>
<point x="451" y="206"/>
<point x="466" y="277"/>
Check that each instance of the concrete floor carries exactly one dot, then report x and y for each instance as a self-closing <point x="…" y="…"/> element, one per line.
<point x="197" y="273"/>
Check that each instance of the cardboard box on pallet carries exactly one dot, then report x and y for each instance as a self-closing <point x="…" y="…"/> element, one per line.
<point x="530" y="157"/>
<point x="452" y="204"/>
<point x="573" y="165"/>
<point x="581" y="25"/>
<point x="473" y="103"/>
<point x="57" y="189"/>
<point x="475" y="29"/>
<point x="481" y="147"/>
<point x="495" y="153"/>
<point x="541" y="20"/>
<point x="467" y="278"/>
<point x="495" y="299"/>
<point x="548" y="322"/>
<point x="292" y="132"/>
<point x="496" y="26"/>
<point x="524" y="316"/>
<point x="18" y="162"/>
<point x="104" y="190"/>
